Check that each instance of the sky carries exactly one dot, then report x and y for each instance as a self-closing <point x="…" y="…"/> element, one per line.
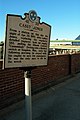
<point x="62" y="15"/>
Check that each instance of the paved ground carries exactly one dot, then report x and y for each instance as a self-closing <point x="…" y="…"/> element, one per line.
<point x="61" y="102"/>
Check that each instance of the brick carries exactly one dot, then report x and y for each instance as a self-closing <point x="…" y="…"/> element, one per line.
<point x="12" y="80"/>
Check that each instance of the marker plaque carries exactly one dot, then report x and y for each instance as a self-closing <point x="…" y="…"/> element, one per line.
<point x="27" y="41"/>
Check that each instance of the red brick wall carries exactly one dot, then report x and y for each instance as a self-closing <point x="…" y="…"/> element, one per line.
<point x="12" y="80"/>
<point x="75" y="63"/>
<point x="11" y="86"/>
<point x="58" y="67"/>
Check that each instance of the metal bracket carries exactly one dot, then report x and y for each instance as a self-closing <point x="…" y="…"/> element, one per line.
<point x="27" y="74"/>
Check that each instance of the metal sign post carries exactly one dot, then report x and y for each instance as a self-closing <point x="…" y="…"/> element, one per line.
<point x="26" y="42"/>
<point x="26" y="46"/>
<point x="28" y="105"/>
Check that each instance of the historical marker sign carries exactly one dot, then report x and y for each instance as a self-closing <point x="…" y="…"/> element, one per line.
<point x="27" y="41"/>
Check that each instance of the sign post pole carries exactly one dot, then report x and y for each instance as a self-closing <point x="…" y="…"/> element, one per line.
<point x="28" y="103"/>
<point x="26" y="46"/>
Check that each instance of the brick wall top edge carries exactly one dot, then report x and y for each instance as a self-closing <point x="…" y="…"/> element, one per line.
<point x="58" y="55"/>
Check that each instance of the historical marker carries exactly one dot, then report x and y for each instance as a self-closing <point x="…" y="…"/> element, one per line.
<point x="27" y="41"/>
<point x="26" y="45"/>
